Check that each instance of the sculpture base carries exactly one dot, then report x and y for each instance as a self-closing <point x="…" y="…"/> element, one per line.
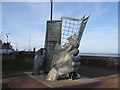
<point x="63" y="81"/>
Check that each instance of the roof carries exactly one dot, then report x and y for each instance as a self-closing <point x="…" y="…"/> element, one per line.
<point x="6" y="46"/>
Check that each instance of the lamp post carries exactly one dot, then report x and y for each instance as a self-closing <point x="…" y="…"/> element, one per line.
<point x="51" y="9"/>
<point x="29" y="40"/>
<point x="16" y="47"/>
<point x="7" y="36"/>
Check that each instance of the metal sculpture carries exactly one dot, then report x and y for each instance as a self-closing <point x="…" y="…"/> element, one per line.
<point x="38" y="61"/>
<point x="65" y="57"/>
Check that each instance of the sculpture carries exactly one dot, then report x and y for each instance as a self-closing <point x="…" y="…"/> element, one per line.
<point x="65" y="60"/>
<point x="65" y="57"/>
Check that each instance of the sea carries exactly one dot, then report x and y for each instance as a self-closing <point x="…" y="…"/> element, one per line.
<point x="100" y="54"/>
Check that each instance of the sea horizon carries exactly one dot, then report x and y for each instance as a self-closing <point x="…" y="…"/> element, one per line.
<point x="100" y="54"/>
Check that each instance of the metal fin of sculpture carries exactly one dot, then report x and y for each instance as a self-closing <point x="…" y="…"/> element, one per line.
<point x="38" y="61"/>
<point x="65" y="57"/>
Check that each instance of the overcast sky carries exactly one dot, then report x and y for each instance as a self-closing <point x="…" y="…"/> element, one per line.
<point x="100" y="35"/>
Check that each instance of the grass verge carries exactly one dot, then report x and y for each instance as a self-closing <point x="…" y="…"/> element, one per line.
<point x="15" y="65"/>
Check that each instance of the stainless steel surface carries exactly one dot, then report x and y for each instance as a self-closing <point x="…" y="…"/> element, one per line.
<point x="53" y="36"/>
<point x="38" y="61"/>
<point x="65" y="55"/>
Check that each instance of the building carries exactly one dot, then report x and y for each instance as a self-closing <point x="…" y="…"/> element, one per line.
<point x="6" y="48"/>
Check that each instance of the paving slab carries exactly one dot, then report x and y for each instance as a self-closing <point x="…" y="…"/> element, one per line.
<point x="23" y="81"/>
<point x="62" y="82"/>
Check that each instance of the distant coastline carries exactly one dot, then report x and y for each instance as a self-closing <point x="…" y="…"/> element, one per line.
<point x="100" y="54"/>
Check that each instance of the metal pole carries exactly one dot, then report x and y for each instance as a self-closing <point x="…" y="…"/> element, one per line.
<point x="51" y="10"/>
<point x="29" y="40"/>
<point x="16" y="47"/>
<point x="7" y="36"/>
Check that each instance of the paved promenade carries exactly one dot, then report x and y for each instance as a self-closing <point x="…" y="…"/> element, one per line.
<point x="109" y="80"/>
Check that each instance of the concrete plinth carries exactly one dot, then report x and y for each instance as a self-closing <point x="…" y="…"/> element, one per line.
<point x="63" y="82"/>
